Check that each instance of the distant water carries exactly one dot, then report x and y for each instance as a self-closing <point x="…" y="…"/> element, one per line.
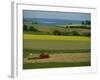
<point x="52" y="21"/>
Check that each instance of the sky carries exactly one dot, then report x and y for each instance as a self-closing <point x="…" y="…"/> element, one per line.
<point x="56" y="15"/>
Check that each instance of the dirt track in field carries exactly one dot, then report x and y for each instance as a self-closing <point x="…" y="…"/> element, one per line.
<point x="65" y="57"/>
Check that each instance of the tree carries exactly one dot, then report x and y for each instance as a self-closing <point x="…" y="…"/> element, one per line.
<point x="75" y="33"/>
<point x="87" y="22"/>
<point x="25" y="27"/>
<point x="82" y="23"/>
<point x="34" y="22"/>
<point x="56" y="32"/>
<point x="68" y="26"/>
<point x="87" y="34"/>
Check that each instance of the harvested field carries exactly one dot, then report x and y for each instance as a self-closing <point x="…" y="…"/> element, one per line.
<point x="65" y="57"/>
<point x="59" y="60"/>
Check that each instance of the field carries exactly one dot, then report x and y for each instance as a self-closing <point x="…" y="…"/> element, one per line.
<point x="54" y="39"/>
<point x="48" y="29"/>
<point x="56" y="44"/>
<point x="59" y="60"/>
<point x="67" y="45"/>
<point x="64" y="51"/>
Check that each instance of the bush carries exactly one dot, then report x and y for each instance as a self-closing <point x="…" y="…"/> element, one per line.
<point x="82" y="27"/>
<point x="56" y="32"/>
<point x="34" y="23"/>
<point x="75" y="33"/>
<point x="33" y="29"/>
<point x="87" y="34"/>
<point x="87" y="22"/>
<point x="25" y="27"/>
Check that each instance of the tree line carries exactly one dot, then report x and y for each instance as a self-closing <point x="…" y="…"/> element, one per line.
<point x="31" y="28"/>
<point x="56" y="32"/>
<point x="71" y="33"/>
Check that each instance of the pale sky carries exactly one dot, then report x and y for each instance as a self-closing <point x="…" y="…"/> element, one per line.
<point x="56" y="15"/>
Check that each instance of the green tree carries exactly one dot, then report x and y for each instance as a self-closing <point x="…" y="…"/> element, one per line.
<point x="87" y="34"/>
<point x="75" y="33"/>
<point x="56" y="32"/>
<point x="33" y="29"/>
<point x="87" y="22"/>
<point x="34" y="22"/>
<point x="82" y="23"/>
<point x="25" y="27"/>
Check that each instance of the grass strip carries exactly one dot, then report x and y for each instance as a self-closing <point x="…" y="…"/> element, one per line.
<point x="54" y="65"/>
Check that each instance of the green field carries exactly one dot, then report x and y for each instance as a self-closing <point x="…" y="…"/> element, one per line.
<point x="54" y="65"/>
<point x="56" y="40"/>
<point x="70" y="48"/>
<point x="55" y="46"/>
<point x="49" y="29"/>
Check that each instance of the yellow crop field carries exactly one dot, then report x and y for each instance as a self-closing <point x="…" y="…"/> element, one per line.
<point x="52" y="37"/>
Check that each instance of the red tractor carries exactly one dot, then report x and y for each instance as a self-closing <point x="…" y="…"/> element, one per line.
<point x="44" y="55"/>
